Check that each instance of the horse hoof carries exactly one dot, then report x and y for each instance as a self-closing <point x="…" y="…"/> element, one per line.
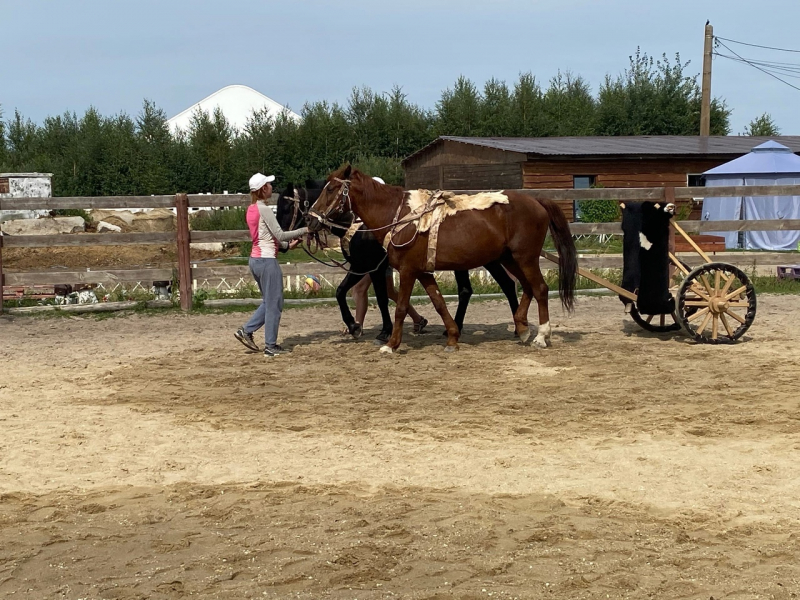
<point x="524" y="336"/>
<point x="385" y="350"/>
<point x="420" y="327"/>
<point x="540" y="342"/>
<point x="450" y="348"/>
<point x="356" y="330"/>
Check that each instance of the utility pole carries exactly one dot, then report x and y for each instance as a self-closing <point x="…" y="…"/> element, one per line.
<point x="705" y="101"/>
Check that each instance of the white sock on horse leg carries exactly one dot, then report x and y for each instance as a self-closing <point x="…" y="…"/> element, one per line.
<point x="543" y="335"/>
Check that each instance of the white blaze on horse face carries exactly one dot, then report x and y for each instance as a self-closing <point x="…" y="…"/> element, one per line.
<point x="644" y="242"/>
<point x="542" y="336"/>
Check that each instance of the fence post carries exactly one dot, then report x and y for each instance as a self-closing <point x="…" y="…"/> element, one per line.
<point x="183" y="239"/>
<point x="2" y="277"/>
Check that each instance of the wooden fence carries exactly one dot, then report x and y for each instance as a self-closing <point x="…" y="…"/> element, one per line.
<point x="183" y="237"/>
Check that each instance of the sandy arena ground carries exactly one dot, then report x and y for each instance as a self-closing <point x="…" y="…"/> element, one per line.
<point x="153" y="457"/>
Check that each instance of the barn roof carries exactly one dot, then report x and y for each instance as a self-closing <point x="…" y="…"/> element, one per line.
<point x="610" y="146"/>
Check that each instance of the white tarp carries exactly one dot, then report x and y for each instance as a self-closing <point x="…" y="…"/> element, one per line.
<point x="764" y="208"/>
<point x="724" y="209"/>
<point x="769" y="163"/>
<point x="755" y="208"/>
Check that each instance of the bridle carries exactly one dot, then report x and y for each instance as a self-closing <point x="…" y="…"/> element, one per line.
<point x="296" y="210"/>
<point x="339" y="203"/>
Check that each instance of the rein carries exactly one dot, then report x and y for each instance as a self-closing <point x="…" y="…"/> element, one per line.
<point x="344" y="198"/>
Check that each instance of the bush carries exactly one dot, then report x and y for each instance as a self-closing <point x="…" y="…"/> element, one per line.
<point x="599" y="211"/>
<point x="223" y="219"/>
<point x="220" y="219"/>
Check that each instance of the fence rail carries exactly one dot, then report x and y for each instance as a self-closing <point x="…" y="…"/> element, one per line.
<point x="182" y="238"/>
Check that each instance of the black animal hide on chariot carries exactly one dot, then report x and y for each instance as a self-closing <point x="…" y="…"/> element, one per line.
<point x="646" y="257"/>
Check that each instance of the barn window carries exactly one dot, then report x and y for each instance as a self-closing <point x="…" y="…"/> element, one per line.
<point x="695" y="181"/>
<point x="4" y="188"/>
<point x="580" y="182"/>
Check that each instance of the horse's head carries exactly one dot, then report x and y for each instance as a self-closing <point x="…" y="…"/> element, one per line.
<point x="294" y="203"/>
<point x="333" y="206"/>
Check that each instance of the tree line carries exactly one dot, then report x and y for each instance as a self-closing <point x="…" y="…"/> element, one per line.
<point x="96" y="155"/>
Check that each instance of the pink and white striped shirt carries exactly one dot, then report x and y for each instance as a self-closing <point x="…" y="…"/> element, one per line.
<point x="266" y="233"/>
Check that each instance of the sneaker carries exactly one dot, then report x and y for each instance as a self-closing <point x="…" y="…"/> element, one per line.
<point x="246" y="339"/>
<point x="273" y="350"/>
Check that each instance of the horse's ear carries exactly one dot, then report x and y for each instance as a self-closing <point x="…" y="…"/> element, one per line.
<point x="347" y="171"/>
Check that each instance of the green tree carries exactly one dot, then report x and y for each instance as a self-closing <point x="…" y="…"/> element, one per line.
<point x="458" y="110"/>
<point x="22" y="143"/>
<point x="496" y="118"/>
<point x="409" y="127"/>
<point x="527" y="115"/>
<point x="153" y="165"/>
<point x="763" y="125"/>
<point x="568" y="106"/>
<point x="655" y="98"/>
<point x="210" y="140"/>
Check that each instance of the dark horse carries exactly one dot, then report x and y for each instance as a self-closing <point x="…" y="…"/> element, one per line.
<point x="367" y="257"/>
<point x="512" y="233"/>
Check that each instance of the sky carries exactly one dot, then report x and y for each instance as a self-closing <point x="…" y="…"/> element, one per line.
<point x="62" y="56"/>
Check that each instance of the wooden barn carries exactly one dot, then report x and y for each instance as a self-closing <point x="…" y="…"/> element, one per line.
<point x="466" y="163"/>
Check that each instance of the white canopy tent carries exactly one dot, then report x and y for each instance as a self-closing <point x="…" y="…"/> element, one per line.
<point x="770" y="163"/>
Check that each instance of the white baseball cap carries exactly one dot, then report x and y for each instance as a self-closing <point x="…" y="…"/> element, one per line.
<point x="379" y="180"/>
<point x="259" y="180"/>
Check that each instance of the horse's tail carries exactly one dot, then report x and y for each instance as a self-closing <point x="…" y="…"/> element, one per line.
<point x="567" y="253"/>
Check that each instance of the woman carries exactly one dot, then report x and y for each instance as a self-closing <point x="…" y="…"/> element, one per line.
<point x="268" y="238"/>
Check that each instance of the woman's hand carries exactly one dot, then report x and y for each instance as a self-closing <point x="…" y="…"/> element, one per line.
<point x="294" y="244"/>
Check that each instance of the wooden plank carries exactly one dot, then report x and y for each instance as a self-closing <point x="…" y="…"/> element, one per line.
<point x="106" y="277"/>
<point x="96" y="202"/>
<point x="771" y="225"/>
<point x="739" y="190"/>
<point x="614" y="228"/>
<point x="77" y="308"/>
<point x="588" y="194"/>
<point x="183" y="242"/>
<point x="88" y="239"/>
<point x="87" y="202"/>
<point x="2" y="276"/>
<point x="218" y="200"/>
<point x="232" y="235"/>
<point x="621" y="167"/>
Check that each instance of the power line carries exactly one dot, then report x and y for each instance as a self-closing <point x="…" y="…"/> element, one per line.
<point x="755" y="45"/>
<point x="793" y="72"/>
<point x="742" y="59"/>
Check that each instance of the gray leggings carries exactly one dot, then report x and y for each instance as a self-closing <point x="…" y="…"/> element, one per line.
<point x="269" y="278"/>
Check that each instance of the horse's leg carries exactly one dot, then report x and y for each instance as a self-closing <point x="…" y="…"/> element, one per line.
<point x="348" y="282"/>
<point x="539" y="289"/>
<point x="464" y="294"/>
<point x="429" y="283"/>
<point x="407" y="279"/>
<point x="521" y="328"/>
<point x="381" y="296"/>
<point x="415" y="316"/>
<point x="501" y="276"/>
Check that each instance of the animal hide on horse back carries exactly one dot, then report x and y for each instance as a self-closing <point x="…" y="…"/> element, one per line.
<point x="429" y="209"/>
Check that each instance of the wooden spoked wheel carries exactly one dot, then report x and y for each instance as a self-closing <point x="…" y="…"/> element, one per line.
<point x="656" y="323"/>
<point x="716" y="303"/>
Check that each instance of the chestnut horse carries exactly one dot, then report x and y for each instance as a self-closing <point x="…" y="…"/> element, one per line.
<point x="512" y="233"/>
